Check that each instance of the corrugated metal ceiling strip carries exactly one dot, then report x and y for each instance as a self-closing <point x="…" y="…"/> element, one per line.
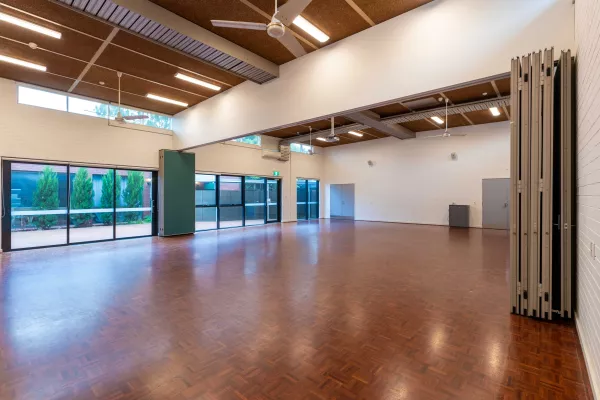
<point x="107" y="10"/>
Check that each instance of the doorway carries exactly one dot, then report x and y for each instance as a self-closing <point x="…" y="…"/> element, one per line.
<point x="307" y="199"/>
<point x="341" y="201"/>
<point x="496" y="195"/>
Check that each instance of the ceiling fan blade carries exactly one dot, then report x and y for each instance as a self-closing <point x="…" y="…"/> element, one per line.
<point x="134" y="117"/>
<point x="288" y="12"/>
<point x="255" y="26"/>
<point x="292" y="44"/>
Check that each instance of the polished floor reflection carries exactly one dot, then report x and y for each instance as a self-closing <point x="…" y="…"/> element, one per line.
<point x="314" y="310"/>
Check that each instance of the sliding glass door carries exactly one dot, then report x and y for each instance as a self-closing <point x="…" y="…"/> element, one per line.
<point x="307" y="199"/>
<point x="254" y="200"/>
<point x="227" y="201"/>
<point x="273" y="210"/>
<point x="206" y="202"/>
<point x="53" y="205"/>
<point x="231" y="210"/>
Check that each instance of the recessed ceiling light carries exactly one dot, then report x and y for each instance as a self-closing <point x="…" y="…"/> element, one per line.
<point x="322" y="139"/>
<point x="32" y="45"/>
<point x="198" y="82"/>
<point x="28" y="25"/>
<point x="309" y="28"/>
<point x="165" y="100"/>
<point x="22" y="63"/>
<point x="484" y="94"/>
<point x="495" y="112"/>
<point x="438" y="120"/>
<point x="101" y="82"/>
<point x="355" y="133"/>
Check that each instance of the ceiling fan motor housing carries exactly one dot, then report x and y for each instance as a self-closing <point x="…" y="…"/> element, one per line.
<point x="275" y="29"/>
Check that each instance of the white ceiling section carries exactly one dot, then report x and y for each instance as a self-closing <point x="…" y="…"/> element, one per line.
<point x="440" y="44"/>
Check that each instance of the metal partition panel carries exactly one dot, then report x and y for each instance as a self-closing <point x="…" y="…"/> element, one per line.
<point x="524" y="178"/>
<point x="566" y="137"/>
<point x="534" y="192"/>
<point x="514" y="179"/>
<point x="547" y="176"/>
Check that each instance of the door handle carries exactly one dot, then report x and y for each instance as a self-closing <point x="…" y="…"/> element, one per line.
<point x="505" y="205"/>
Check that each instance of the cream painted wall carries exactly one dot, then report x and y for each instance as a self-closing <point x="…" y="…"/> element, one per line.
<point x="415" y="180"/>
<point x="237" y="158"/>
<point x="39" y="133"/>
<point x="443" y="43"/>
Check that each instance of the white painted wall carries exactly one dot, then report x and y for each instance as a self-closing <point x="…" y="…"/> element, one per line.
<point x="587" y="314"/>
<point x="443" y="43"/>
<point x="237" y="158"/>
<point x="415" y="180"/>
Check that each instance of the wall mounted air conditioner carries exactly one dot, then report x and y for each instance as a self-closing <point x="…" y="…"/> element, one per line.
<point x="282" y="155"/>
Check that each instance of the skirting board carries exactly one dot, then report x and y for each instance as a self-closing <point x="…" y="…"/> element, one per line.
<point x="590" y="367"/>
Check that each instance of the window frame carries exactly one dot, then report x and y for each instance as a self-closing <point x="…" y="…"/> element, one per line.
<point x="132" y="125"/>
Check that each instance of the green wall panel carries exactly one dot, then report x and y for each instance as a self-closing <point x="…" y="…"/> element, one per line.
<point x="176" y="179"/>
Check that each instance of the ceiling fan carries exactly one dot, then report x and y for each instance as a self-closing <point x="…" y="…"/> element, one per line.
<point x="446" y="134"/>
<point x="123" y="119"/>
<point x="283" y="16"/>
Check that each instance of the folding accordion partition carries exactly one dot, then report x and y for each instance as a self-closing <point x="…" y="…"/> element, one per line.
<point x="542" y="179"/>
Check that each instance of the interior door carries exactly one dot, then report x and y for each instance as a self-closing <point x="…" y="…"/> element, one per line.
<point x="272" y="200"/>
<point x="496" y="195"/>
<point x="335" y="201"/>
<point x="348" y="201"/>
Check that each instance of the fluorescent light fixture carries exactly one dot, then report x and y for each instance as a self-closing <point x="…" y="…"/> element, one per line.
<point x="309" y="28"/>
<point x="438" y="120"/>
<point x="165" y="100"/>
<point x="28" y="25"/>
<point x="322" y="139"/>
<point x="355" y="133"/>
<point x="197" y="82"/>
<point x="22" y="63"/>
<point x="495" y="112"/>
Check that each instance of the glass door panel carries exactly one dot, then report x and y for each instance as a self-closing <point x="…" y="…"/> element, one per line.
<point x="231" y="210"/>
<point x="272" y="200"/>
<point x="134" y="203"/>
<point x="254" y="199"/>
<point x="313" y="199"/>
<point x="91" y="204"/>
<point x="206" y="202"/>
<point x="38" y="204"/>
<point x="301" y="199"/>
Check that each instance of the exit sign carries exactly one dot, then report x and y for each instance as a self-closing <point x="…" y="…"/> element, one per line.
<point x="275" y="173"/>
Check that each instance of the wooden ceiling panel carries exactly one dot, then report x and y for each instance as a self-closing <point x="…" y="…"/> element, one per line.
<point x="485" y="117"/>
<point x="119" y="59"/>
<point x="34" y="77"/>
<point x="63" y="15"/>
<point x="257" y="42"/>
<point x="419" y="126"/>
<point x="503" y="86"/>
<point x="382" y="10"/>
<point x="55" y="64"/>
<point x="456" y="120"/>
<point x="471" y="93"/>
<point x="206" y="71"/>
<point x="107" y="94"/>
<point x="390" y="109"/>
<point x="72" y="44"/>
<point x="334" y="17"/>
<point x="138" y="86"/>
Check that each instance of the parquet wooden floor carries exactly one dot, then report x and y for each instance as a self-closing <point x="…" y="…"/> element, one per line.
<point x="329" y="310"/>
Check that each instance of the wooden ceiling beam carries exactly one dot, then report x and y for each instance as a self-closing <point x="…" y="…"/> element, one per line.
<point x="185" y="27"/>
<point x="99" y="52"/>
<point x="493" y="82"/>
<point x="413" y="111"/>
<point x="450" y="103"/>
<point x="371" y="119"/>
<point x="360" y="12"/>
